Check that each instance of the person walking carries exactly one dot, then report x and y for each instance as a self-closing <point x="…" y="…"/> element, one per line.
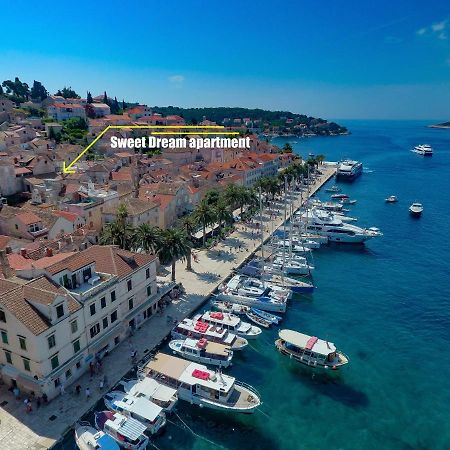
<point x="88" y="393"/>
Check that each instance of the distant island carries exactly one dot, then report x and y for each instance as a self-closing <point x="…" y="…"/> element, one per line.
<point x="269" y="123"/>
<point x="440" y="125"/>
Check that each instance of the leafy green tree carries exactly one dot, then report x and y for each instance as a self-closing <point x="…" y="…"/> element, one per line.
<point x="38" y="91"/>
<point x="89" y="98"/>
<point x="222" y="212"/>
<point x="67" y="92"/>
<point x="287" y="148"/>
<point x="20" y="91"/>
<point x="175" y="245"/>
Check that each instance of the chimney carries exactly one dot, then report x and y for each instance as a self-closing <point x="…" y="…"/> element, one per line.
<point x="48" y="252"/>
<point x="23" y="252"/>
<point x="4" y="263"/>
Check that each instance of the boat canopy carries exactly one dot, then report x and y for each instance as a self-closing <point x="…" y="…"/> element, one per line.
<point x="141" y="407"/>
<point x="148" y="387"/>
<point x="128" y="427"/>
<point x="106" y="442"/>
<point x="307" y="342"/>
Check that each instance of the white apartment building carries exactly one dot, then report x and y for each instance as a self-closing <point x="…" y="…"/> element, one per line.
<point x="77" y="312"/>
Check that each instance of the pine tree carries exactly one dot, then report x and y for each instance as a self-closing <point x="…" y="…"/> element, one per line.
<point x="115" y="106"/>
<point x="124" y="105"/>
<point x="38" y="91"/>
<point x="89" y="98"/>
<point x="105" y="99"/>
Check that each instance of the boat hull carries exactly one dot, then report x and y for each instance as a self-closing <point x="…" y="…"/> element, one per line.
<point x="199" y="359"/>
<point x="252" y="302"/>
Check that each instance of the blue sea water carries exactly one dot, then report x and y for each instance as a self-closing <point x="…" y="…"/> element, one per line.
<point x="385" y="304"/>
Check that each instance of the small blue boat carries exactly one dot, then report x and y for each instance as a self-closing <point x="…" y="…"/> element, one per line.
<point x="273" y="318"/>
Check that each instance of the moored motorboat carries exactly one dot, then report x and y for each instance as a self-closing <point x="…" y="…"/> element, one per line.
<point x="88" y="438"/>
<point x="333" y="188"/>
<point x="230" y="322"/>
<point x="201" y="386"/>
<point x="310" y="350"/>
<point x="273" y="318"/>
<point x="202" y="351"/>
<point x="339" y="196"/>
<point x="138" y="408"/>
<point x="391" y="199"/>
<point x="152" y="390"/>
<point x="197" y="329"/>
<point x="423" y="149"/>
<point x="416" y="209"/>
<point x="258" y="320"/>
<point x="126" y="431"/>
<point x="347" y="201"/>
<point x="229" y="307"/>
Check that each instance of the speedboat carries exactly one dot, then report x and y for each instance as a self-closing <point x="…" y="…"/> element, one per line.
<point x="152" y="390"/>
<point x="336" y="229"/>
<point x="201" y="386"/>
<point x="349" y="170"/>
<point x="310" y="350"/>
<point x="258" y="319"/>
<point x="339" y="196"/>
<point x="333" y="188"/>
<point x="202" y="351"/>
<point x="347" y="201"/>
<point x="273" y="318"/>
<point x="88" y="438"/>
<point x="126" y="431"/>
<point x="230" y="308"/>
<point x="416" y="209"/>
<point x="139" y="408"/>
<point x="391" y="199"/>
<point x="424" y="150"/>
<point x="230" y="322"/>
<point x="198" y="329"/>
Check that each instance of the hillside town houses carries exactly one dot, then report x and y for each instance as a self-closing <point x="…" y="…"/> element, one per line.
<point x="65" y="300"/>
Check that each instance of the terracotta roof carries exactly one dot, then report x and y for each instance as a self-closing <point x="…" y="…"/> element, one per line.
<point x="4" y="241"/>
<point x="135" y="206"/>
<point x="18" y="262"/>
<point x="121" y="176"/>
<point x="28" y="218"/>
<point x="22" y="170"/>
<point x="108" y="259"/>
<point x="17" y="299"/>
<point x="71" y="217"/>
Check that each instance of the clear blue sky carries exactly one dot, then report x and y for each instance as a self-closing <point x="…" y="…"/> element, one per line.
<point x="352" y="59"/>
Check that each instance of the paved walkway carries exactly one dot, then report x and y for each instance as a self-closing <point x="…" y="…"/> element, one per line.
<point x="41" y="428"/>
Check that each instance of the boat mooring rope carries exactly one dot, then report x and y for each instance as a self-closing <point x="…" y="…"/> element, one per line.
<point x="193" y="432"/>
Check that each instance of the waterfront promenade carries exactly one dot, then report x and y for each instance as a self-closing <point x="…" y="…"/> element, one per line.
<point x="41" y="428"/>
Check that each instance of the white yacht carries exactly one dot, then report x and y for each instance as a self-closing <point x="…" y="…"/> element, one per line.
<point x="416" y="209"/>
<point x="391" y="199"/>
<point x="330" y="225"/>
<point x="202" y="351"/>
<point x="126" y="431"/>
<point x="349" y="170"/>
<point x="424" y="150"/>
<point x="148" y="388"/>
<point x="310" y="350"/>
<point x="201" y="386"/>
<point x="296" y="248"/>
<point x="253" y="294"/>
<point x="329" y="206"/>
<point x="291" y="266"/>
<point x="198" y="329"/>
<point x="231" y="323"/>
<point x="139" y="408"/>
<point x="88" y="438"/>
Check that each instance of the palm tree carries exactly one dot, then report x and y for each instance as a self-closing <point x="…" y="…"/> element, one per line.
<point x="118" y="233"/>
<point x="175" y="244"/>
<point x="204" y="214"/>
<point x="147" y="238"/>
<point x="222" y="212"/>
<point x="189" y="226"/>
<point x="231" y="194"/>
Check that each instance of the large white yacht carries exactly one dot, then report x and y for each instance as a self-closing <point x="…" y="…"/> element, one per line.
<point x="424" y="150"/>
<point x="253" y="292"/>
<point x="349" y="170"/>
<point x="330" y="225"/>
<point x="231" y="323"/>
<point x="202" y="351"/>
<point x="198" y="329"/>
<point x="201" y="386"/>
<point x="291" y="265"/>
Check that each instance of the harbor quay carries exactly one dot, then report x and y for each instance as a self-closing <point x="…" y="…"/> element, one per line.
<point x="44" y="427"/>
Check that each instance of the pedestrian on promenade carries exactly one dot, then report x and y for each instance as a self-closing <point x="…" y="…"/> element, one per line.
<point x="88" y="393"/>
<point x="105" y="381"/>
<point x="63" y="390"/>
<point x="91" y="369"/>
<point x="16" y="392"/>
<point x="45" y="398"/>
<point x="101" y="385"/>
<point x="78" y="389"/>
<point x="38" y="402"/>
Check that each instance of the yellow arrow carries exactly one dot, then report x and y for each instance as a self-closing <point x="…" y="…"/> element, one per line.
<point x="68" y="168"/>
